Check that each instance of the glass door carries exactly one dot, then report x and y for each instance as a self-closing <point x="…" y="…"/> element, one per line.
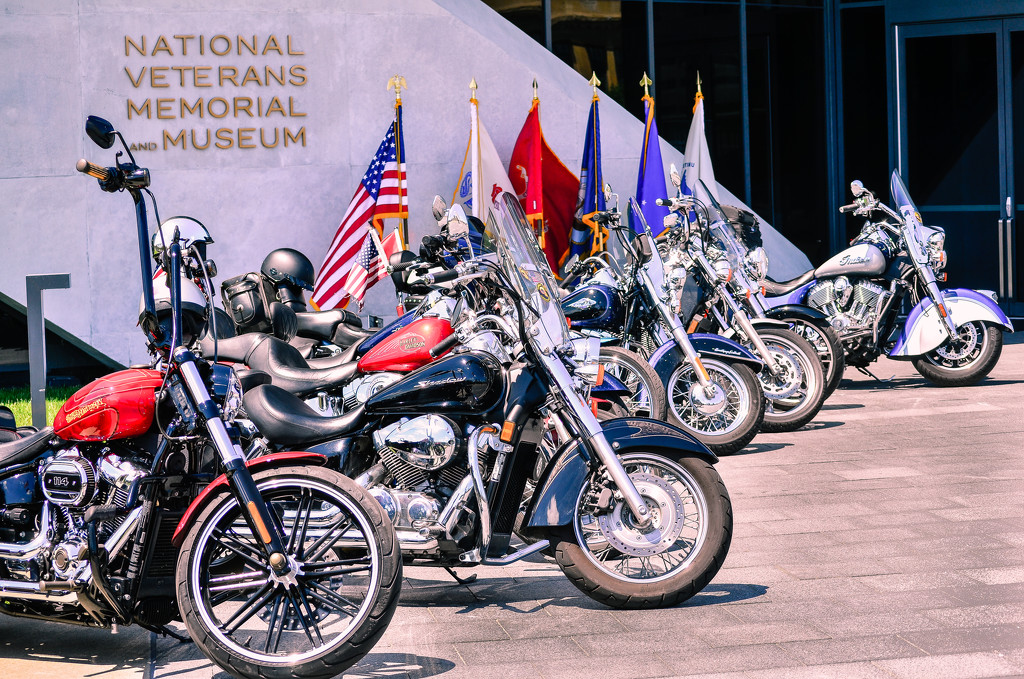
<point x="957" y="86"/>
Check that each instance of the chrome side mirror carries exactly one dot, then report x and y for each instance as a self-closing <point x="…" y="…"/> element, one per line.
<point x="857" y="188"/>
<point x="438" y="207"/>
<point x="674" y="176"/>
<point x="457" y="223"/>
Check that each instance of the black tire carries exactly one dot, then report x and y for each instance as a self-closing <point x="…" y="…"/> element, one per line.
<point x="802" y="369"/>
<point x="585" y="553"/>
<point x="629" y="367"/>
<point x="726" y="432"/>
<point x="334" y="573"/>
<point x="966" y="360"/>
<point x="826" y="342"/>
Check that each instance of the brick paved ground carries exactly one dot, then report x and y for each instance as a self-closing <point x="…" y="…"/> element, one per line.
<point x="886" y="539"/>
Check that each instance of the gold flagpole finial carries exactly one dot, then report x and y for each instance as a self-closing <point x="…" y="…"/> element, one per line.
<point x="397" y="82"/>
<point x="698" y="83"/>
<point x="535" y="89"/>
<point x="646" y="82"/>
<point x="472" y="87"/>
<point x="594" y="82"/>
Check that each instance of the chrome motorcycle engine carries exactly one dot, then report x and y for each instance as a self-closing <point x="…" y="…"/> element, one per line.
<point x="852" y="307"/>
<point x="359" y="390"/>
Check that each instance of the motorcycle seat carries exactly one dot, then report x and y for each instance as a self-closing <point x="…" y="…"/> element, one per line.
<point x="323" y="325"/>
<point x="777" y="288"/>
<point x="290" y="371"/>
<point x="285" y="420"/>
<point x="25" y="449"/>
<point x="234" y="349"/>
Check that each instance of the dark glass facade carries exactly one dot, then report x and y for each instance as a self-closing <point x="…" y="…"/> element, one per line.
<point x="803" y="96"/>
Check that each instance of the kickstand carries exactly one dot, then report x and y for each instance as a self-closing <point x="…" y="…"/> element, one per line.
<point x="865" y="371"/>
<point x="458" y="579"/>
<point x="167" y="631"/>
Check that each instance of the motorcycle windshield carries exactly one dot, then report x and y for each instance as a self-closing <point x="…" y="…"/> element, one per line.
<point x="914" y="235"/>
<point x="654" y="266"/>
<point x="509" y="234"/>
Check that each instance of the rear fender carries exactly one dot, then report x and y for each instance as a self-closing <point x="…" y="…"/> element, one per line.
<point x="800" y="311"/>
<point x="220" y="484"/>
<point x="554" y="500"/>
<point x="924" y="329"/>
<point x="770" y="323"/>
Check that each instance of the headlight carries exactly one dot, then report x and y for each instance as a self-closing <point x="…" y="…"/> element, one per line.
<point x="722" y="270"/>
<point x="936" y="253"/>
<point x="756" y="263"/>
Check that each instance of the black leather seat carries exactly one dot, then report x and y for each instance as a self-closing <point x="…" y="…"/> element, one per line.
<point x="285" y="420"/>
<point x="321" y="325"/>
<point x="290" y="371"/>
<point x="234" y="349"/>
<point x="25" y="449"/>
<point x="775" y="289"/>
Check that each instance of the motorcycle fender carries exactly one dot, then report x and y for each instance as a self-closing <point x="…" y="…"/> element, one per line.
<point x="220" y="483"/>
<point x="770" y="323"/>
<point x="804" y="313"/>
<point x="924" y="331"/>
<point x="610" y="386"/>
<point x="554" y="500"/>
<point x="668" y="356"/>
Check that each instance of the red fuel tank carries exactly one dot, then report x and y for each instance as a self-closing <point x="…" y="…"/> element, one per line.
<point x="116" y="406"/>
<point x="408" y="349"/>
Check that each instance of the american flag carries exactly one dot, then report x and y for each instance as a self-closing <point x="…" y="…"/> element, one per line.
<point x="381" y="194"/>
<point x="371" y="265"/>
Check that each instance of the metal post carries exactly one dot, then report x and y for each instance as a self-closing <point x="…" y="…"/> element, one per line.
<point x="34" y="286"/>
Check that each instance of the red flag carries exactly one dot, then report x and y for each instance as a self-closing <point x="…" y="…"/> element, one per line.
<point x="547" y="189"/>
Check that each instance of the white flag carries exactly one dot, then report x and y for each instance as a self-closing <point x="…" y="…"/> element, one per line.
<point x="697" y="159"/>
<point x="483" y="174"/>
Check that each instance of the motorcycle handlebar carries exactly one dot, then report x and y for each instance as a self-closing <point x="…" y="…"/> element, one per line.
<point x="444" y="345"/>
<point x="442" y="277"/>
<point x="402" y="266"/>
<point x="101" y="173"/>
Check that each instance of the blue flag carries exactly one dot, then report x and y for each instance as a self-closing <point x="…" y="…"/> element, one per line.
<point x="591" y="197"/>
<point x="650" y="183"/>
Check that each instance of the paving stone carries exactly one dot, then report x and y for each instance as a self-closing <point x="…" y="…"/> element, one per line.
<point x="516" y="650"/>
<point x="990" y="638"/>
<point x="622" y="667"/>
<point x="730" y="659"/>
<point x="831" y="651"/>
<point x="853" y="670"/>
<point x="957" y="666"/>
<point x="753" y="634"/>
<point x="974" y="616"/>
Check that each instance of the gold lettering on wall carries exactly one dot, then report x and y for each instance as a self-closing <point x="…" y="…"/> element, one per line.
<point x="249" y="76"/>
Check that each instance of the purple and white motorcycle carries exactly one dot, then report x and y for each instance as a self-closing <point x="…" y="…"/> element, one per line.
<point x="954" y="336"/>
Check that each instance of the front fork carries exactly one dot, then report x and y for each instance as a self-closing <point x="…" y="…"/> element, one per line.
<point x="740" y="318"/>
<point x="947" y="321"/>
<point x="595" y="438"/>
<point x="257" y="514"/>
<point x="678" y="332"/>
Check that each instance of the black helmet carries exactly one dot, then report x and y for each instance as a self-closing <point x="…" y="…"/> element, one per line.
<point x="288" y="266"/>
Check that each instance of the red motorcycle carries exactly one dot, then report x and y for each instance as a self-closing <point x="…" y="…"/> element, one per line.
<point x="139" y="507"/>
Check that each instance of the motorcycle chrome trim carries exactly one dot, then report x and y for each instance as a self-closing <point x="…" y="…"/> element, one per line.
<point x="119" y="538"/>
<point x="473" y="453"/>
<point x="517" y="555"/>
<point x="22" y="552"/>
<point x="17" y="589"/>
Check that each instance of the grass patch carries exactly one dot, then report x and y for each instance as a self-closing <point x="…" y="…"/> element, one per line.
<point x="18" y="400"/>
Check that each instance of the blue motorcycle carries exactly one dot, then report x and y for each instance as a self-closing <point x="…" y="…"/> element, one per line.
<point x="710" y="382"/>
<point x="954" y="337"/>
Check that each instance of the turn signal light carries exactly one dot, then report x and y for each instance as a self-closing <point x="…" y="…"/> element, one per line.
<point x="507" y="430"/>
<point x="600" y="375"/>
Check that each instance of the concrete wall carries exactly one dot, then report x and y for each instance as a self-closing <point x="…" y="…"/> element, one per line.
<point x="64" y="61"/>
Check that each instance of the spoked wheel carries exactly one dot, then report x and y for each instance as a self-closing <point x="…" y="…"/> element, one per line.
<point x="794" y="394"/>
<point x="317" y="619"/>
<point x="829" y="347"/>
<point x="725" y="420"/>
<point x="964" y="360"/>
<point x="648" y="393"/>
<point x="617" y="562"/>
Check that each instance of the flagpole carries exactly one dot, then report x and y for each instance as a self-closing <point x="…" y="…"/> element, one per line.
<point x="539" y="223"/>
<point x="398" y="82"/>
<point x="476" y="189"/>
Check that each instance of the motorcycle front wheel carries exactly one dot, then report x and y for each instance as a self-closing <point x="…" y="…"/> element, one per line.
<point x="648" y="398"/>
<point x="794" y="395"/>
<point x="826" y="342"/>
<point x="726" y="421"/>
<point x="316" y="620"/>
<point x="965" y="360"/>
<point x="614" y="561"/>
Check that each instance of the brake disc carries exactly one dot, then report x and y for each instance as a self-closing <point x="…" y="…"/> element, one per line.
<point x="786" y="383"/>
<point x="667" y="517"/>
